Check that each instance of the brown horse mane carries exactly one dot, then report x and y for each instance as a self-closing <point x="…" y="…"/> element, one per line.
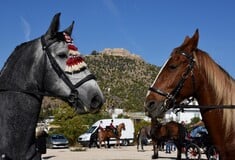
<point x="222" y="83"/>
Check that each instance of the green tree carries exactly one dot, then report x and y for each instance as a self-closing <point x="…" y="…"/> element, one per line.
<point x="71" y="124"/>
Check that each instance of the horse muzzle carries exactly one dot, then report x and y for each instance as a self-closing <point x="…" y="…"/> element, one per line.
<point x="92" y="106"/>
<point x="155" y="109"/>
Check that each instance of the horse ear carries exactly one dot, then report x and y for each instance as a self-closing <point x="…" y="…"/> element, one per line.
<point x="194" y="41"/>
<point x="54" y="27"/>
<point x="187" y="38"/>
<point x="69" y="29"/>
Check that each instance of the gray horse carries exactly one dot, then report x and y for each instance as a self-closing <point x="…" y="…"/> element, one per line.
<point x="47" y="66"/>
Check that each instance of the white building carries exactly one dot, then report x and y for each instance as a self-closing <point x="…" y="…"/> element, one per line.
<point x="185" y="116"/>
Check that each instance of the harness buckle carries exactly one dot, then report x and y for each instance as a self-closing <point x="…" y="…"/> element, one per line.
<point x="73" y="97"/>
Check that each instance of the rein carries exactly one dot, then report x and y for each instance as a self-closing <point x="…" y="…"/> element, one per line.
<point x="171" y="97"/>
<point x="181" y="107"/>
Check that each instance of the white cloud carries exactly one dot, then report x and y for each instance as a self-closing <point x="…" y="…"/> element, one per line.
<point x="112" y="7"/>
<point x="26" y="28"/>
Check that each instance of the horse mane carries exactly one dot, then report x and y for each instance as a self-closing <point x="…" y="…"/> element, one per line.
<point x="222" y="83"/>
<point x="14" y="55"/>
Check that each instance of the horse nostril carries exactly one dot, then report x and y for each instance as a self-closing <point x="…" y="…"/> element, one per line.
<point x="96" y="103"/>
<point x="150" y="105"/>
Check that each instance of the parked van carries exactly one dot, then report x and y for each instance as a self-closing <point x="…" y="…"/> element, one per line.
<point x="126" y="138"/>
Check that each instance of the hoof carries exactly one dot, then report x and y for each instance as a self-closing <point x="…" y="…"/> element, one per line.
<point x="141" y="150"/>
<point x="154" y="156"/>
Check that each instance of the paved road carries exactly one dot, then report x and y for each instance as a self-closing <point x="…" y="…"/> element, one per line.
<point x="123" y="153"/>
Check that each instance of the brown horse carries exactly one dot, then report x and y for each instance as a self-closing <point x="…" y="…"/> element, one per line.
<point x="191" y="72"/>
<point x="107" y="133"/>
<point x="170" y="131"/>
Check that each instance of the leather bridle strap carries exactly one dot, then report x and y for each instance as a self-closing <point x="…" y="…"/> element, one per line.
<point x="158" y="91"/>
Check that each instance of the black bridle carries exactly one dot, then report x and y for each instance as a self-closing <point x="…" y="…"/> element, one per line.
<point x="171" y="97"/>
<point x="73" y="97"/>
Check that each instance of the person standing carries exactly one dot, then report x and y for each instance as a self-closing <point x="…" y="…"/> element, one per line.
<point x="41" y="137"/>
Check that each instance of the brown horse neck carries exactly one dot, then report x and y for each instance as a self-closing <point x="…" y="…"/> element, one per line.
<point x="119" y="129"/>
<point x="213" y="85"/>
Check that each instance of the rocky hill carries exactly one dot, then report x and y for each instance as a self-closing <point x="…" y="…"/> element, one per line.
<point x="123" y="77"/>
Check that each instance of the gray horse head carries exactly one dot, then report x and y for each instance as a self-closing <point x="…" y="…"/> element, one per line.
<point x="67" y="74"/>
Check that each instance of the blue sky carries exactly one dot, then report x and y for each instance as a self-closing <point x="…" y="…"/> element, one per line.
<point x="149" y="28"/>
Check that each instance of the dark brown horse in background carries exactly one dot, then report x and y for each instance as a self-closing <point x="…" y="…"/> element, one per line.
<point x="142" y="137"/>
<point x="107" y="133"/>
<point x="170" y="131"/>
<point x="191" y="72"/>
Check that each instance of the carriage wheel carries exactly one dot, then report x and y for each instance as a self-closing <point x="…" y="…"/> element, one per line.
<point x="212" y="153"/>
<point x="193" y="152"/>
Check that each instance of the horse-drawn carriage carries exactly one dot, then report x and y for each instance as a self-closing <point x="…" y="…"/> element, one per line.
<point x="193" y="145"/>
<point x="201" y="144"/>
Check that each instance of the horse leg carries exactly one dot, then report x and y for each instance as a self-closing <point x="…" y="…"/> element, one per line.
<point x="142" y="145"/>
<point x="100" y="142"/>
<point x="118" y="143"/>
<point x="162" y="146"/>
<point x="138" y="142"/>
<point x="108" y="143"/>
<point x="138" y="145"/>
<point x="179" y="150"/>
<point x="155" y="151"/>
<point x="96" y="143"/>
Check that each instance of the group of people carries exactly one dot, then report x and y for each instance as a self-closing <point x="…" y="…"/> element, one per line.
<point x="111" y="126"/>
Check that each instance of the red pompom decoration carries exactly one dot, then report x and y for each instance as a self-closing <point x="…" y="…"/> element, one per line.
<point x="74" y="61"/>
<point x="72" y="47"/>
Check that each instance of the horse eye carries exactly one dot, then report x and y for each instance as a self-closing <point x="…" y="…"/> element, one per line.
<point x="63" y="56"/>
<point x="172" y="67"/>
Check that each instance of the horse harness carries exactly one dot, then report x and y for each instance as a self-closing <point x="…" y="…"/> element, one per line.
<point x="171" y="97"/>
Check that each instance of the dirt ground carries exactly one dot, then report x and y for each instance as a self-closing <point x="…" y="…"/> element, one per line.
<point x="123" y="153"/>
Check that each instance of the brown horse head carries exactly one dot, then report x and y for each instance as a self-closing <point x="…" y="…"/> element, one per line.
<point x="177" y="72"/>
<point x="121" y="127"/>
